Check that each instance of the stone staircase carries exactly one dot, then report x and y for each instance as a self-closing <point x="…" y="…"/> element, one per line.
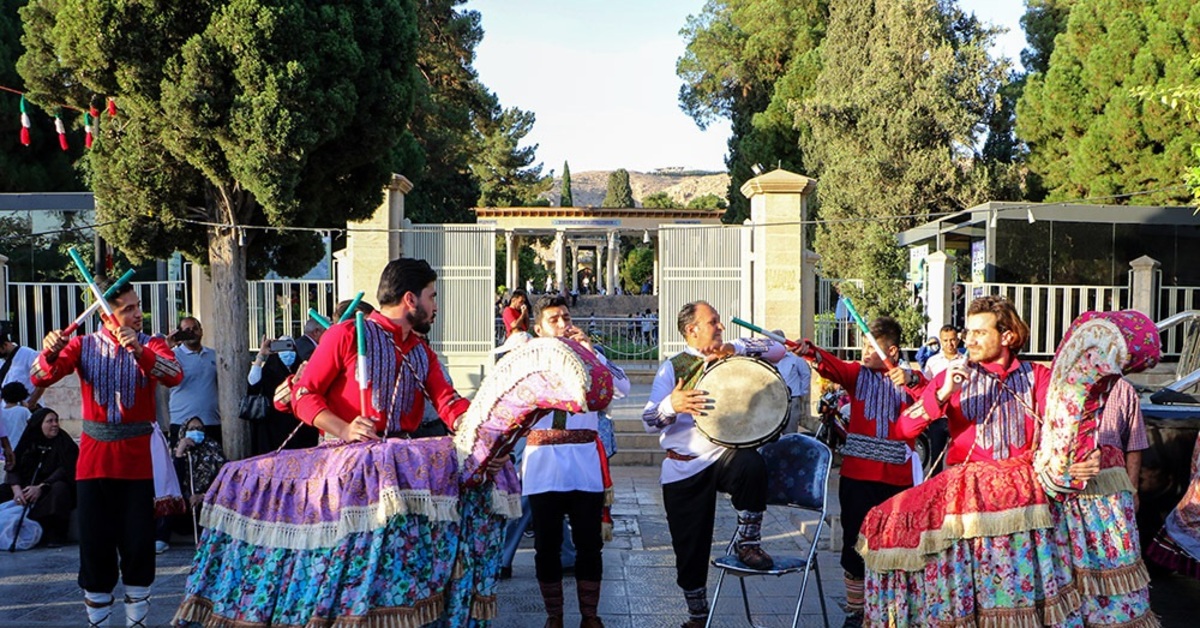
<point x="635" y="448"/>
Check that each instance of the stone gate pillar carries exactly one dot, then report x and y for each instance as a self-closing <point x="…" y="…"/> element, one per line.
<point x="939" y="290"/>
<point x="372" y="243"/>
<point x="778" y="205"/>
<point x="1142" y="286"/>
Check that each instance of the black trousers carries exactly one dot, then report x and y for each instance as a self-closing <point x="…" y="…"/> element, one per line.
<point x="583" y="509"/>
<point x="857" y="498"/>
<point x="691" y="505"/>
<point x="116" y="530"/>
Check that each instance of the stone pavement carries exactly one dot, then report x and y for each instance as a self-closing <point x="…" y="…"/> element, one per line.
<point x="37" y="587"/>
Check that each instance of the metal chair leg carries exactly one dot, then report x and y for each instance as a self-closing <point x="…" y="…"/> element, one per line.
<point x="716" y="596"/>
<point x="821" y="592"/>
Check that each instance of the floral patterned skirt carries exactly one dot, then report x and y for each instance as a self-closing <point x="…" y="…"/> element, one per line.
<point x="1106" y="552"/>
<point x="1020" y="579"/>
<point x="377" y="535"/>
<point x="1085" y="569"/>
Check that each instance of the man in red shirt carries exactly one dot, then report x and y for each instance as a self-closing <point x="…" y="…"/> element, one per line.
<point x="119" y="368"/>
<point x="994" y="399"/>
<point x="876" y="461"/>
<point x="402" y="371"/>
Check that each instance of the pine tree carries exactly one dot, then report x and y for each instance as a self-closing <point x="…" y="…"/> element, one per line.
<point x="619" y="193"/>
<point x="905" y="88"/>
<point x="566" y="200"/>
<point x="1089" y="135"/>
<point x="750" y="61"/>
<point x="267" y="115"/>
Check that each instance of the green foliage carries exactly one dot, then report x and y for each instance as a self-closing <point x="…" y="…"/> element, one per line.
<point x="707" y="201"/>
<point x="749" y="61"/>
<point x="1186" y="98"/>
<point x="505" y="171"/>
<point x="903" y="95"/>
<point x="637" y="267"/>
<point x="1042" y="22"/>
<point x="463" y="149"/>
<point x="566" y="200"/>
<point x="659" y="200"/>
<point x="239" y="112"/>
<point x="42" y="166"/>
<point x="527" y="264"/>
<point x="1089" y="134"/>
<point x="229" y="112"/>
<point x="619" y="193"/>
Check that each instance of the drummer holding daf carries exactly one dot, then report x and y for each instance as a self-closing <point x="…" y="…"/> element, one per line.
<point x="696" y="468"/>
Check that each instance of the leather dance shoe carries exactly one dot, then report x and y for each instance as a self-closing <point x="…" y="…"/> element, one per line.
<point x="754" y="557"/>
<point x="554" y="621"/>
<point x="591" y="622"/>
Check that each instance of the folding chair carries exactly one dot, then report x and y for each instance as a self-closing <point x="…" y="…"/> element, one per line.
<point x="797" y="477"/>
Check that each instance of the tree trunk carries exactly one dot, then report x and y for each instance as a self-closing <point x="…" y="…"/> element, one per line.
<point x="230" y="335"/>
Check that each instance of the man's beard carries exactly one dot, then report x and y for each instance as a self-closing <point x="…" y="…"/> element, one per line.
<point x="420" y="320"/>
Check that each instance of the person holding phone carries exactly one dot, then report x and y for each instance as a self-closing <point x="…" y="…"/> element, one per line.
<point x="196" y="395"/>
<point x="276" y="361"/>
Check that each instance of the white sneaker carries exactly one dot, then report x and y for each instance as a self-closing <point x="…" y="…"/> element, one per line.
<point x="161" y="546"/>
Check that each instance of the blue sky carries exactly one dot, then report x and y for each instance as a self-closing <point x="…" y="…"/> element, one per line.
<point x="600" y="76"/>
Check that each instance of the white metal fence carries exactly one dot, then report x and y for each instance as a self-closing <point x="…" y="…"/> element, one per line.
<point x="38" y="308"/>
<point x="1049" y="310"/>
<point x="279" y="307"/>
<point x="703" y="263"/>
<point x="1173" y="300"/>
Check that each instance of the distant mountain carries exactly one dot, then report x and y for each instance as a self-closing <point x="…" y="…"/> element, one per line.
<point x="589" y="187"/>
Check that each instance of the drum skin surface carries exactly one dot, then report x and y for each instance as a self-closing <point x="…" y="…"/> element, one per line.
<point x="750" y="402"/>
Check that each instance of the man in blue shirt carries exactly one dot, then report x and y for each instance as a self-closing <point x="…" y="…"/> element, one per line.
<point x="197" y="394"/>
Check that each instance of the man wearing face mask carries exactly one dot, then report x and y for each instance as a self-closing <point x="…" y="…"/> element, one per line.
<point x="196" y="395"/>
<point x="270" y="369"/>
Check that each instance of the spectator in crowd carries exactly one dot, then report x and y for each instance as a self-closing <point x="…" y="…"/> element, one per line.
<point x="307" y="343"/>
<point x="516" y="314"/>
<point x="13" y="417"/>
<point x="198" y="459"/>
<point x="951" y="349"/>
<point x="17" y="363"/>
<point x="197" y="394"/>
<point x="931" y="348"/>
<point x="958" y="306"/>
<point x="44" y="475"/>
<point x="798" y="377"/>
<point x="270" y="369"/>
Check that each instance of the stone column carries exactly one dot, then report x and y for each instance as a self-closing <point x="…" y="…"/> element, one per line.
<point x="939" y="284"/>
<point x="1143" y="286"/>
<point x="574" y="266"/>
<point x="560" y="261"/>
<point x="614" y="258"/>
<point x="599" y="275"/>
<point x="372" y="243"/>
<point x="778" y="204"/>
<point x="4" y="313"/>
<point x="510" y="277"/>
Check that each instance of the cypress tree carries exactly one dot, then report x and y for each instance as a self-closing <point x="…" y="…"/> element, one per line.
<point x="567" y="200"/>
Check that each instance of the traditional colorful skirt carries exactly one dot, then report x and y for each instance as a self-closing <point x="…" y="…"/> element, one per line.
<point x="976" y="545"/>
<point x="1177" y="545"/>
<point x="366" y="534"/>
